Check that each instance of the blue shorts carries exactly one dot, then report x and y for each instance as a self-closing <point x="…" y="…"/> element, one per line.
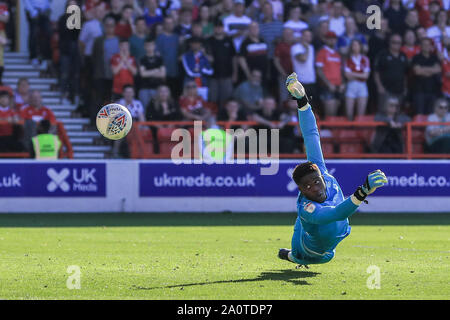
<point x="303" y="255"/>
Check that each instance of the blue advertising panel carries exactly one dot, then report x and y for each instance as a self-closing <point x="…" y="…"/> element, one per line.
<point x="52" y="179"/>
<point x="245" y="180"/>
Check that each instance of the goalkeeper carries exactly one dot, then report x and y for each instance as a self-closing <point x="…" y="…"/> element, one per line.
<point x="323" y="212"/>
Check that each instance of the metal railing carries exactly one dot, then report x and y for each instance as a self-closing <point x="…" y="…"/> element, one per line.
<point x="141" y="150"/>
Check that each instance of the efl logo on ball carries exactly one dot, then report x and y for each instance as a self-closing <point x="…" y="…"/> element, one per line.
<point x="114" y="121"/>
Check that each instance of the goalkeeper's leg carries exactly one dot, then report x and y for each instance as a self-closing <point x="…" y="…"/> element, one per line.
<point x="298" y="254"/>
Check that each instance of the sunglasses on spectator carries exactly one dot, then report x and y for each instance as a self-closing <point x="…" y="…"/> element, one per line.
<point x="443" y="106"/>
<point x="396" y="42"/>
<point x="191" y="86"/>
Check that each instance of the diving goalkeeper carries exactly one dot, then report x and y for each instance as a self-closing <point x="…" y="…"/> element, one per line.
<point x="323" y="212"/>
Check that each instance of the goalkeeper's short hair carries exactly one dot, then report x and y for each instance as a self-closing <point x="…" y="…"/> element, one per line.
<point x="304" y="169"/>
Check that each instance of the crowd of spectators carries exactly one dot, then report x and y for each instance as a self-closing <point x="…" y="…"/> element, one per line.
<point x="21" y="113"/>
<point x="193" y="59"/>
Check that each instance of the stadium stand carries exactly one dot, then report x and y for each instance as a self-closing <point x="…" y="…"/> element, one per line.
<point x="74" y="100"/>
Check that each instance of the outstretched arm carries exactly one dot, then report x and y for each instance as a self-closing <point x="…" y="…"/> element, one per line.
<point x="318" y="214"/>
<point x="311" y="137"/>
<point x="328" y="214"/>
<point x="307" y="122"/>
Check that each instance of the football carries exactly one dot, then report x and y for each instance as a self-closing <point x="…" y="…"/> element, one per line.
<point x="114" y="121"/>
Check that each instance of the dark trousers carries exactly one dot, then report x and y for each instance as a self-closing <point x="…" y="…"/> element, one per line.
<point x="175" y="85"/>
<point x="441" y="145"/>
<point x="423" y="102"/>
<point x="12" y="143"/>
<point x="69" y="72"/>
<point x="40" y="35"/>
<point x="387" y="140"/>
<point x="86" y="85"/>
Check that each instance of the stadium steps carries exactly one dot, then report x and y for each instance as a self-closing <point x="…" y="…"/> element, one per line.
<point x="37" y="86"/>
<point x="82" y="141"/>
<point x="87" y="143"/>
<point x="89" y="155"/>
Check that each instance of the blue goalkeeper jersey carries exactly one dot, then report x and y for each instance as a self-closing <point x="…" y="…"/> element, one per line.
<point x="320" y="226"/>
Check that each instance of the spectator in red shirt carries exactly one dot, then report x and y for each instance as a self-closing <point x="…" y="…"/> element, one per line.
<point x="124" y="28"/>
<point x="124" y="69"/>
<point x="9" y="131"/>
<point x="192" y="105"/>
<point x="328" y="67"/>
<point x="357" y="70"/>
<point x="36" y="111"/>
<point x="423" y="8"/>
<point x="283" y="62"/>
<point x="33" y="113"/>
<point x="7" y="113"/>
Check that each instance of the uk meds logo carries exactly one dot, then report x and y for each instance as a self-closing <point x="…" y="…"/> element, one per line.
<point x="58" y="180"/>
<point x="77" y="179"/>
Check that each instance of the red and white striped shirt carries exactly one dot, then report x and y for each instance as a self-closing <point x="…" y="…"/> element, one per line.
<point x="357" y="64"/>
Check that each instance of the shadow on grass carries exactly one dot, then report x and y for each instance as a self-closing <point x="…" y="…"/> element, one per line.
<point x="290" y="276"/>
<point x="202" y="219"/>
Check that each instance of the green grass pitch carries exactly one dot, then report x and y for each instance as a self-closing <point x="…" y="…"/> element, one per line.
<point x="217" y="256"/>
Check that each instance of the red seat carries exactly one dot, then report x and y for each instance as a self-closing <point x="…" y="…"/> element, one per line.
<point x="336" y="118"/>
<point x="327" y="148"/>
<point x="147" y="137"/>
<point x="335" y="130"/>
<point x="140" y="142"/>
<point x="165" y="134"/>
<point x="417" y="148"/>
<point x="418" y="139"/>
<point x="166" y="144"/>
<point x="164" y="140"/>
<point x="418" y="134"/>
<point x="365" y="118"/>
<point x="351" y="148"/>
<point x="146" y="134"/>
<point x="349" y="135"/>
<point x="368" y="133"/>
<point x="350" y="141"/>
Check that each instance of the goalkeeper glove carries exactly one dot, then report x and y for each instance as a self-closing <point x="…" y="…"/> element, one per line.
<point x="373" y="181"/>
<point x="296" y="90"/>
